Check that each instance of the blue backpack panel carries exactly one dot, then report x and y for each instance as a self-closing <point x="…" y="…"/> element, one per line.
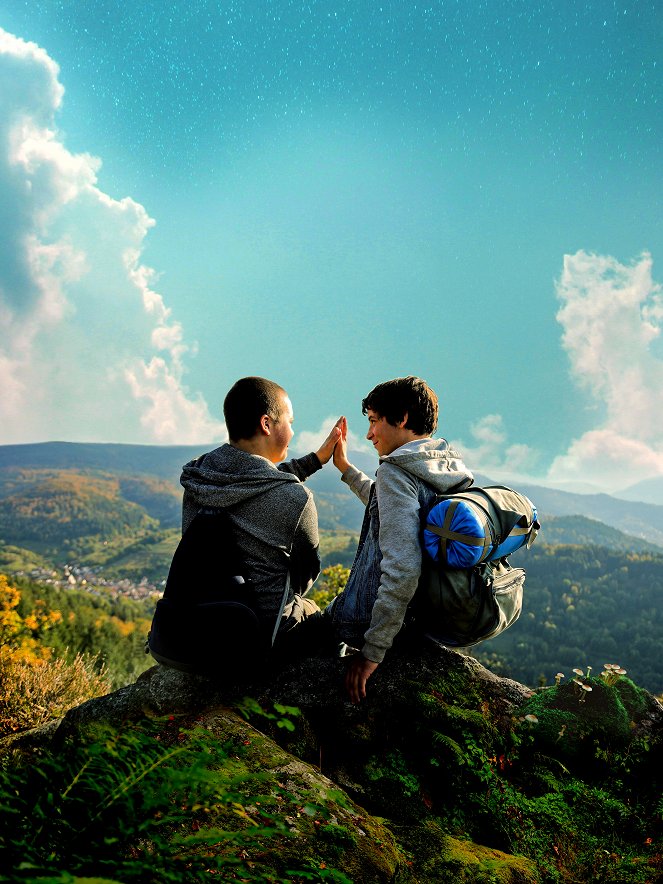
<point x="478" y="525"/>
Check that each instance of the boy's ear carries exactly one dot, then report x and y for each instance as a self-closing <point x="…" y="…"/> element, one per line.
<point x="402" y="423"/>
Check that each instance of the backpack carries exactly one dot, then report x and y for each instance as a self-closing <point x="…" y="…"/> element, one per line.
<point x="468" y="588"/>
<point x="207" y="617"/>
<point x="479" y="525"/>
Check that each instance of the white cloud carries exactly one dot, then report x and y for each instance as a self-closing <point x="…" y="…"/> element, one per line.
<point x="491" y="453"/>
<point x="88" y="349"/>
<point x="611" y="315"/>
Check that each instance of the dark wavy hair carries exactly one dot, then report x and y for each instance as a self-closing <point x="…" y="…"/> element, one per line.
<point x="392" y="400"/>
<point x="246" y="402"/>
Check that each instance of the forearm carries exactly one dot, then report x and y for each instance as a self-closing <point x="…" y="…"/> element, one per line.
<point x="302" y="467"/>
<point x="358" y="482"/>
<point x="304" y="555"/>
<point x="397" y="588"/>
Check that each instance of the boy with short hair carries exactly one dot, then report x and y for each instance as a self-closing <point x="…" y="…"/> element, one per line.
<point x="271" y="512"/>
<point x="371" y="610"/>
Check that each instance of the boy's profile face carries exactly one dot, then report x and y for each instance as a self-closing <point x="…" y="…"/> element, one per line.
<point x="281" y="431"/>
<point x="385" y="436"/>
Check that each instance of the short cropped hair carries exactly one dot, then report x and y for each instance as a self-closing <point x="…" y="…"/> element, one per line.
<point x="392" y="400"/>
<point x="246" y="402"/>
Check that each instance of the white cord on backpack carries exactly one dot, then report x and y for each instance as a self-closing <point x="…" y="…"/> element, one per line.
<point x="286" y="592"/>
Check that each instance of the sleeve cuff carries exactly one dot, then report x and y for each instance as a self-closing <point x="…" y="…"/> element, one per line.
<point x="373" y="652"/>
<point x="351" y="475"/>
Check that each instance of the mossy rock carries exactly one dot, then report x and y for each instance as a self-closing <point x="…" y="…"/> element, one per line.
<point x="327" y="829"/>
<point x="420" y="707"/>
<point x="571" y="721"/>
<point x="435" y="857"/>
<point x="442" y="749"/>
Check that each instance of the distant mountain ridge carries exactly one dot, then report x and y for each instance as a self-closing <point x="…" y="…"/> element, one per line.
<point x="641" y="520"/>
<point x="338" y="507"/>
<point x="649" y="491"/>
<point x="163" y="461"/>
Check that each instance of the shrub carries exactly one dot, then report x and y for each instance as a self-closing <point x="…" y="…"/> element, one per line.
<point x="33" y="692"/>
<point x="331" y="582"/>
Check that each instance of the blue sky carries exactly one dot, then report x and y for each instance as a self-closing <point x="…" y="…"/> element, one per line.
<point x="333" y="194"/>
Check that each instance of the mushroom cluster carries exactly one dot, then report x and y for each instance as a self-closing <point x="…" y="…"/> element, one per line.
<point x="612" y="672"/>
<point x="583" y="688"/>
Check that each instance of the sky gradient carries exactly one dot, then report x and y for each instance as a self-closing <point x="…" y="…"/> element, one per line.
<point x="334" y="194"/>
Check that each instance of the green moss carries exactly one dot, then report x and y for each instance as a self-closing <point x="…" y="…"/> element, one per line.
<point x="338" y="836"/>
<point x="435" y="857"/>
<point x="485" y="866"/>
<point x="570" y="719"/>
<point x="636" y="701"/>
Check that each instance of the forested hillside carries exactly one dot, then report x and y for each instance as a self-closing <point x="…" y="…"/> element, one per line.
<point x="43" y="509"/>
<point x="593" y="593"/>
<point x="581" y="531"/>
<point x="584" y="606"/>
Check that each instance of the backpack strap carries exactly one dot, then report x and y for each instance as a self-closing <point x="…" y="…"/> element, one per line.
<point x="286" y="591"/>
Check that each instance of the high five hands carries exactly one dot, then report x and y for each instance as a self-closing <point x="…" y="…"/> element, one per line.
<point x="336" y="444"/>
<point x="327" y="448"/>
<point x="341" y="461"/>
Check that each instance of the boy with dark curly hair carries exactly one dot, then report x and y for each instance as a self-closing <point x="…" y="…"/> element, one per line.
<point x="414" y="467"/>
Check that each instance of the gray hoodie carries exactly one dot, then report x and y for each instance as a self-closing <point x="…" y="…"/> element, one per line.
<point x="273" y="515"/>
<point x="389" y="553"/>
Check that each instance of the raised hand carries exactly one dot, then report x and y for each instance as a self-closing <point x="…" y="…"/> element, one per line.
<point x="341" y="461"/>
<point x="327" y="448"/>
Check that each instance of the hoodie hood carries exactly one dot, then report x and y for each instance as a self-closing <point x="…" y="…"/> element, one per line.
<point x="434" y="462"/>
<point x="228" y="476"/>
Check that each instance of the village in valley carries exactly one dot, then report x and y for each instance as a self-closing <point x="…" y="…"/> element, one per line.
<point x="90" y="579"/>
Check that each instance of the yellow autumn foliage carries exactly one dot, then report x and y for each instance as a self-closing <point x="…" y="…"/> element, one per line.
<point x="20" y="636"/>
<point x="124" y="627"/>
<point x="35" y="688"/>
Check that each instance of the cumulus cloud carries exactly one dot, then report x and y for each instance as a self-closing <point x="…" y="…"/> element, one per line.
<point x="491" y="452"/>
<point x="611" y="314"/>
<point x="88" y="348"/>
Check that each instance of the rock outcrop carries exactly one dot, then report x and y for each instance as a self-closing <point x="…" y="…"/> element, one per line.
<point x="444" y="773"/>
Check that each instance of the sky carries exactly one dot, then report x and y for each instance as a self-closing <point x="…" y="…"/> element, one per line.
<point x="331" y="195"/>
